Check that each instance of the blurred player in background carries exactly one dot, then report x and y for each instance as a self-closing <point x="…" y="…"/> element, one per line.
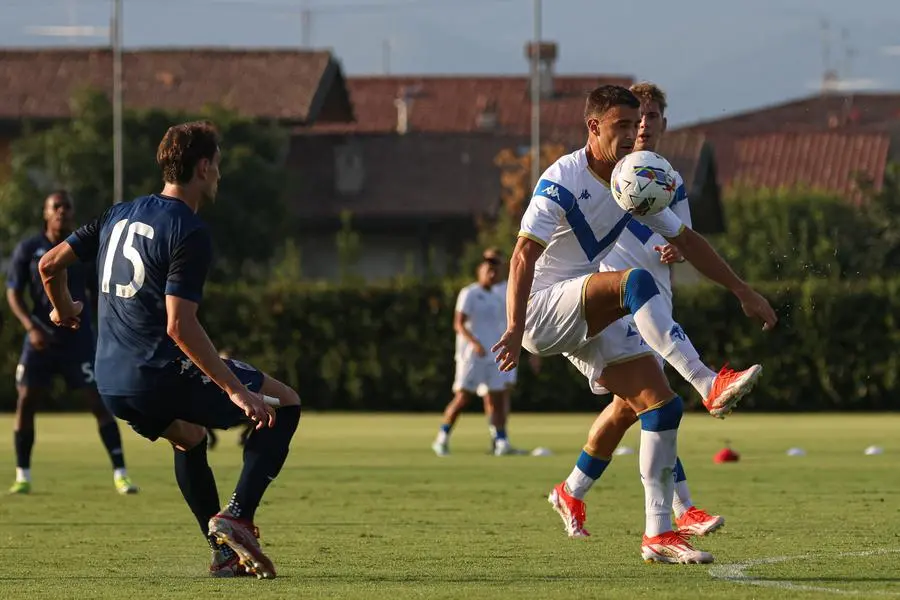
<point x="559" y="303"/>
<point x="639" y="247"/>
<point x="479" y="322"/>
<point x="48" y="351"/>
<point x="156" y="366"/>
<point x="496" y="256"/>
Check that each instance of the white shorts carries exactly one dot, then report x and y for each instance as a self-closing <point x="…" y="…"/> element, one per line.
<point x="509" y="381"/>
<point x="474" y="374"/>
<point x="555" y="324"/>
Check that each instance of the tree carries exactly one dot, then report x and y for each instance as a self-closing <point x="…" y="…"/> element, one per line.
<point x="78" y="155"/>
<point x="515" y="192"/>
<point x="804" y="234"/>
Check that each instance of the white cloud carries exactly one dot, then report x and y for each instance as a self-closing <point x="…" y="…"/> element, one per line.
<point x="891" y="50"/>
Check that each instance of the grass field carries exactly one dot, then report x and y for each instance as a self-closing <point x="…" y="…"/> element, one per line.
<point x="363" y="509"/>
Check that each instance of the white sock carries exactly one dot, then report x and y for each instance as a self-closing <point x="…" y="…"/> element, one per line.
<point x="120" y="473"/>
<point x="442" y="437"/>
<point x="23" y="474"/>
<point x="667" y="338"/>
<point x="682" y="502"/>
<point x="657" y="460"/>
<point x="578" y="483"/>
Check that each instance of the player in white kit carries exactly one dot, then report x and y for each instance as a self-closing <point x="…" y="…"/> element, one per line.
<point x="479" y="321"/>
<point x="500" y="419"/>
<point x="639" y="247"/>
<point x="558" y="303"/>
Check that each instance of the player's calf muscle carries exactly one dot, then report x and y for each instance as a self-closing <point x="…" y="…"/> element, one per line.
<point x="602" y="300"/>
<point x="640" y="383"/>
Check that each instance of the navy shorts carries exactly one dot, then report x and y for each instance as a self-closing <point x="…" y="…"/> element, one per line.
<point x="72" y="359"/>
<point x="184" y="393"/>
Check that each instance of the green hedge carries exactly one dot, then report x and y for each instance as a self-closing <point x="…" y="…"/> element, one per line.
<point x="390" y="347"/>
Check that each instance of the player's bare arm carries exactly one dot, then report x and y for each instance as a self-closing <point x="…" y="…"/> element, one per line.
<point x="16" y="300"/>
<point x="705" y="259"/>
<point x="521" y="276"/>
<point x="459" y="325"/>
<point x="185" y="329"/>
<point x="52" y="267"/>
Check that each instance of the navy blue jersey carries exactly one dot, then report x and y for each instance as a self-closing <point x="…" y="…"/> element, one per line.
<point x="147" y="249"/>
<point x="23" y="275"/>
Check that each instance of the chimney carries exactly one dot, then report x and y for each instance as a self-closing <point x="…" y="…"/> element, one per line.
<point x="404" y="104"/>
<point x="546" y="53"/>
<point x="486" y="117"/>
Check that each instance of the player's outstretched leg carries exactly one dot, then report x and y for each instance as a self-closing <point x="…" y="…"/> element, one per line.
<point x="112" y="441"/>
<point x="23" y="436"/>
<point x="643" y="386"/>
<point x="690" y="519"/>
<point x="653" y="318"/>
<point x="264" y="454"/>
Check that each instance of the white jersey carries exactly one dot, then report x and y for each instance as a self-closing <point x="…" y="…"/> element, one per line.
<point x="574" y="216"/>
<point x="486" y="320"/>
<point x="634" y="248"/>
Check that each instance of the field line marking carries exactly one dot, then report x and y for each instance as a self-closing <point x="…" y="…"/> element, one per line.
<point x="734" y="572"/>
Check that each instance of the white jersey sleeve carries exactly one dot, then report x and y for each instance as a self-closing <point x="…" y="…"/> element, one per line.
<point x="542" y="217"/>
<point x="464" y="302"/>
<point x="665" y="223"/>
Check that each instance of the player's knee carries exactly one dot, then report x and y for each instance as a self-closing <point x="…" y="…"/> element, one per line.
<point x="663" y="418"/>
<point x="291" y="397"/>
<point x="622" y="413"/>
<point x="638" y="287"/>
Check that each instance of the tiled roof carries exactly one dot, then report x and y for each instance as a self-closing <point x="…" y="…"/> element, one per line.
<point x="824" y="160"/>
<point x="445" y="104"/>
<point x="288" y="85"/>
<point x="815" y="113"/>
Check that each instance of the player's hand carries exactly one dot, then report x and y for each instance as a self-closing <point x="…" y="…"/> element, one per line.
<point x="509" y="348"/>
<point x="256" y="409"/>
<point x="755" y="305"/>
<point x="68" y="316"/>
<point x="38" y="338"/>
<point x="478" y="349"/>
<point x="669" y="254"/>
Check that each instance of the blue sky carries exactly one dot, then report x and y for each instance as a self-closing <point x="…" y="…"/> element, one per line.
<point x="713" y="57"/>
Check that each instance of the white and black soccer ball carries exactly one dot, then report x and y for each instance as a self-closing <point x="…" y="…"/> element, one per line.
<point x="643" y="183"/>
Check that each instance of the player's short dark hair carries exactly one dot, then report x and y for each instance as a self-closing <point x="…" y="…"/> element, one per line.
<point x="183" y="147"/>
<point x="62" y="193"/>
<point x="650" y="92"/>
<point x="605" y="97"/>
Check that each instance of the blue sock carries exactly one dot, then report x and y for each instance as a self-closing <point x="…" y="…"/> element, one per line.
<point x="679" y="471"/>
<point x="264" y="455"/>
<point x="501" y="434"/>
<point x="23" y="440"/>
<point x="446" y="428"/>
<point x="112" y="441"/>
<point x="197" y="484"/>
<point x="588" y="469"/>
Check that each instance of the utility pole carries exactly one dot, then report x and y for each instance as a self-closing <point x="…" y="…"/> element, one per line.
<point x="536" y="97"/>
<point x="116" y="43"/>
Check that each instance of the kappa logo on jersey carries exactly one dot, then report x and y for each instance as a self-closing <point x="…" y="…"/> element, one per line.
<point x="631" y="332"/>
<point x="552" y="191"/>
<point x="585" y="195"/>
<point x="678" y="333"/>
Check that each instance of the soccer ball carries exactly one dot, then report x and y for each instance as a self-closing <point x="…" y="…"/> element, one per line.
<point x="643" y="183"/>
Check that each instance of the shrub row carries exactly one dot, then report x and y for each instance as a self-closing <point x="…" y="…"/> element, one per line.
<point x="391" y="347"/>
